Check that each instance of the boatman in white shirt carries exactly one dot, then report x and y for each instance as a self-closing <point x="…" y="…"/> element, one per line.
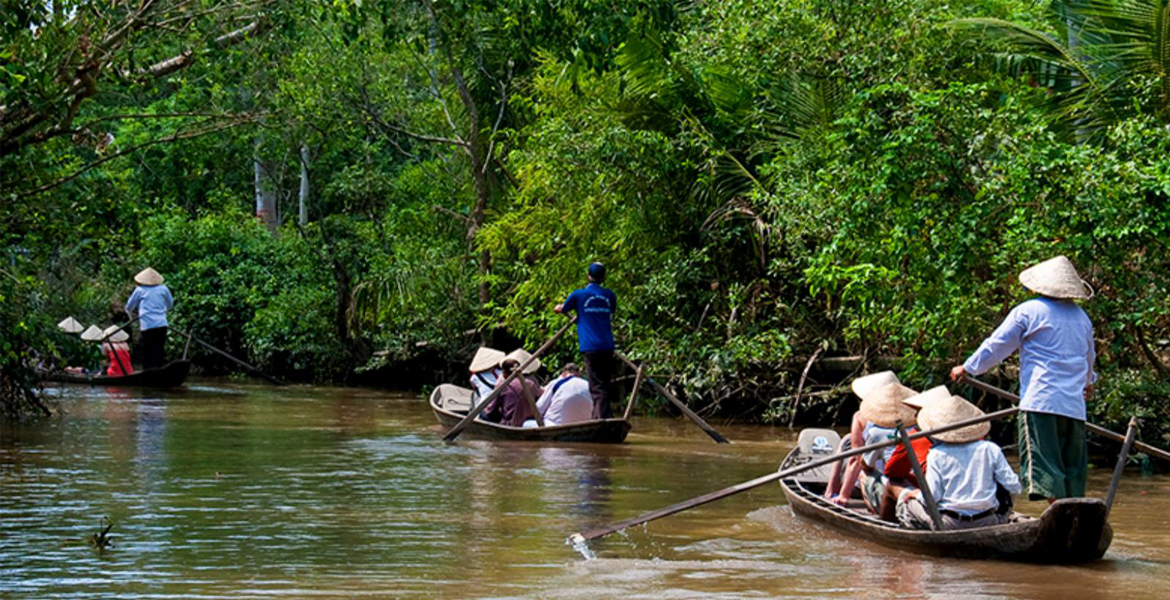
<point x="963" y="472"/>
<point x="1055" y="340"/>
<point x="566" y="400"/>
<point x="151" y="299"/>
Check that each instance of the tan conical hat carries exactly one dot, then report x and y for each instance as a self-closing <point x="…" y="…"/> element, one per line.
<point x="883" y="407"/>
<point x="120" y="336"/>
<point x="70" y="325"/>
<point x="930" y="396"/>
<point x="486" y="359"/>
<point x="92" y="334"/>
<point x="520" y="355"/>
<point x="864" y="386"/>
<point x="1056" y="278"/>
<point x="953" y="409"/>
<point x="148" y="276"/>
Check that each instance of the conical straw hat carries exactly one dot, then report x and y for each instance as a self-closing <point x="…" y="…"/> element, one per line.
<point x="120" y="336"/>
<point x="92" y="334"/>
<point x="928" y="397"/>
<point x="864" y="386"/>
<point x="1056" y="278"/>
<point x="148" y="276"/>
<point x="486" y="359"/>
<point x="70" y="325"/>
<point x="883" y="407"/>
<point x="520" y="355"/>
<point x="945" y="411"/>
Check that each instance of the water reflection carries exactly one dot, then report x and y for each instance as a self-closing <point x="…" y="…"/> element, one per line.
<point x="236" y="489"/>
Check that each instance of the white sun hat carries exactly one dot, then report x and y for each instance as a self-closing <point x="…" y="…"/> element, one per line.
<point x="521" y="355"/>
<point x="864" y="386"/>
<point x="70" y="325"/>
<point x="945" y="411"/>
<point x="884" y="407"/>
<point x="120" y="336"/>
<point x="486" y="359"/>
<point x="928" y="397"/>
<point x="148" y="276"/>
<point x="92" y="334"/>
<point x="1056" y="278"/>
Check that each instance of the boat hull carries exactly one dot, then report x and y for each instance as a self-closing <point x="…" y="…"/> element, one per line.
<point x="601" y="431"/>
<point x="1070" y="531"/>
<point x="172" y="374"/>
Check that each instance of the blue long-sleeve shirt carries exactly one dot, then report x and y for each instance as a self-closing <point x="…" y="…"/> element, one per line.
<point x="152" y="303"/>
<point x="1055" y="340"/>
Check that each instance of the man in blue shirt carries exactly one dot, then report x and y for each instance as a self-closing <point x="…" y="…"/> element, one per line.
<point x="595" y="306"/>
<point x="152" y="300"/>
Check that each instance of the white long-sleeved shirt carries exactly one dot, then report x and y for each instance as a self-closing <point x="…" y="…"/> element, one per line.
<point x="152" y="303"/>
<point x="1055" y="340"/>
<point x="962" y="477"/>
<point x="568" y="402"/>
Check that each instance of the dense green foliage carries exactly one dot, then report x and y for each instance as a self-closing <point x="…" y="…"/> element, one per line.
<point x="768" y="181"/>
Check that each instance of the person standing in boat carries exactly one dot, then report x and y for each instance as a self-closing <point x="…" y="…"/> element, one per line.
<point x="963" y="471"/>
<point x="1055" y="339"/>
<point x="151" y="299"/>
<point x="595" y="306"/>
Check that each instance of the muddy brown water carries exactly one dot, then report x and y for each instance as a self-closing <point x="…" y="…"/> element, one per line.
<point x="241" y="490"/>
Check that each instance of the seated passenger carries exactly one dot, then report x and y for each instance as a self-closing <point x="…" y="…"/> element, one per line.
<point x="881" y="408"/>
<point x="511" y="407"/>
<point x="899" y="472"/>
<point x="485" y="372"/>
<point x="117" y="351"/>
<point x="566" y="400"/>
<point x="963" y="472"/>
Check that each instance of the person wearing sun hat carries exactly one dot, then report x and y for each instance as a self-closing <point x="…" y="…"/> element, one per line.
<point x="117" y="352"/>
<point x="510" y="407"/>
<point x="152" y="300"/>
<point x="485" y="370"/>
<point x="899" y="472"/>
<point x="962" y="469"/>
<point x="1055" y="339"/>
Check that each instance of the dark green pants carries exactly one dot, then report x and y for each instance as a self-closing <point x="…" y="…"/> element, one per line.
<point x="1054" y="457"/>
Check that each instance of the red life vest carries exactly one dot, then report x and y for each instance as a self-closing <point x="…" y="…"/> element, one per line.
<point x="118" y="354"/>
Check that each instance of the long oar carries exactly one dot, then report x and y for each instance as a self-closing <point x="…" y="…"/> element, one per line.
<point x="474" y="412"/>
<point x="1097" y="429"/>
<point x="715" y="435"/>
<point x="578" y="538"/>
<point x="232" y="358"/>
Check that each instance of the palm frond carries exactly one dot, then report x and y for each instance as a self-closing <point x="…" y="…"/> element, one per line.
<point x="1029" y="50"/>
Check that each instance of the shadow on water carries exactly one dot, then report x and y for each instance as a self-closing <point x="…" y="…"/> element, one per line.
<point x="237" y="489"/>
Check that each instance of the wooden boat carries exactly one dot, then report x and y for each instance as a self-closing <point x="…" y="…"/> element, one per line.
<point x="172" y="374"/>
<point x="451" y="403"/>
<point x="1071" y="530"/>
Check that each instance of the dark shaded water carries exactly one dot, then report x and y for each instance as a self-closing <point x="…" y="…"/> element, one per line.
<point x="239" y="490"/>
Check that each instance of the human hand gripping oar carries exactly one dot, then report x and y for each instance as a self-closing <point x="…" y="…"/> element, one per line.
<point x="579" y="538"/>
<point x="475" y="410"/>
<point x="1097" y="429"/>
<point x="692" y="415"/>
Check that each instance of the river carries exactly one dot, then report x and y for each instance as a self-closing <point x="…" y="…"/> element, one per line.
<point x="232" y="489"/>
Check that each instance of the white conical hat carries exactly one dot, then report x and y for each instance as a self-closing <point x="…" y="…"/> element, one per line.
<point x="92" y="334"/>
<point x="486" y="359"/>
<point x="520" y="355"/>
<point x="70" y="325"/>
<point x="944" y="411"/>
<point x="1056" y="278"/>
<point x="148" y="276"/>
<point x="120" y="336"/>
<point x="928" y="397"/>
<point x="883" y="407"/>
<point x="864" y="386"/>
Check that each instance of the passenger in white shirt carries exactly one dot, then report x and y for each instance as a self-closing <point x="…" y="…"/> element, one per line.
<point x="963" y="472"/>
<point x="566" y="399"/>
<point x="485" y="372"/>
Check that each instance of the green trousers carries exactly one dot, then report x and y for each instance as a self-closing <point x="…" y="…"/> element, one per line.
<point x="1054" y="457"/>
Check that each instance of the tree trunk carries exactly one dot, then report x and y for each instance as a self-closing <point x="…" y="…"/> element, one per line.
<point x="265" y="193"/>
<point x="303" y="196"/>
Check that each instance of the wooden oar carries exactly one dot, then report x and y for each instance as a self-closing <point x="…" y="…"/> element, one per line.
<point x="578" y="538"/>
<point x="475" y="410"/>
<point x="527" y="392"/>
<point x="231" y="358"/>
<point x="1097" y="429"/>
<point x="678" y="404"/>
